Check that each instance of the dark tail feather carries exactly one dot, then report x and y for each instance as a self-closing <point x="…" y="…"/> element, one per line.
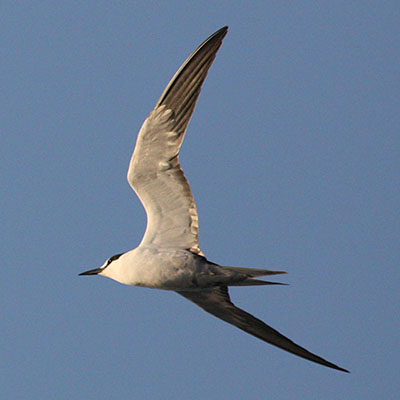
<point x="256" y="282"/>
<point x="252" y="272"/>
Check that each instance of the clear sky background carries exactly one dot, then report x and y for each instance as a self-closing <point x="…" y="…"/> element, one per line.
<point x="293" y="159"/>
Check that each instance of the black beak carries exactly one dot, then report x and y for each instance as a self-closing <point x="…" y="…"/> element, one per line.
<point x="91" y="272"/>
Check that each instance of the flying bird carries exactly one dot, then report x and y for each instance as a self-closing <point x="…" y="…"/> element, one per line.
<point x="169" y="256"/>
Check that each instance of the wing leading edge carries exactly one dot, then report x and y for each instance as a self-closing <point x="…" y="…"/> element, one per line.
<point x="217" y="302"/>
<point x="154" y="171"/>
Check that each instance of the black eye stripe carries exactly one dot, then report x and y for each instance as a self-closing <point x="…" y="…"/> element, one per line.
<point x="113" y="258"/>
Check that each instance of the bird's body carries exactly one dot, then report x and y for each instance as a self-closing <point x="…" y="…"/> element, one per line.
<point x="169" y="255"/>
<point x="150" y="267"/>
<point x="177" y="269"/>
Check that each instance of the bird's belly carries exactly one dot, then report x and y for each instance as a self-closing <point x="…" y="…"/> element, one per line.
<point x="168" y="270"/>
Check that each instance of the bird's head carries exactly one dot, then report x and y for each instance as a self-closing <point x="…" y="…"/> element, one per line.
<point x="106" y="268"/>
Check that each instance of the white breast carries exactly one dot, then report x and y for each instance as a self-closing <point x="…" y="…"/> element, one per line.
<point x="168" y="269"/>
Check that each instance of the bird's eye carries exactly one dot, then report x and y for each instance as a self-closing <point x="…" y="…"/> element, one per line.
<point x="113" y="258"/>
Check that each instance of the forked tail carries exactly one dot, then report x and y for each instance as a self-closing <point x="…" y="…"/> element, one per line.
<point x="251" y="273"/>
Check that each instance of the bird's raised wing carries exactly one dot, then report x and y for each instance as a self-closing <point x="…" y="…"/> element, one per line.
<point x="154" y="170"/>
<point x="216" y="301"/>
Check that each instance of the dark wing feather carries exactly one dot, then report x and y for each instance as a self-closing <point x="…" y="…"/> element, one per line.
<point x="216" y="301"/>
<point x="154" y="171"/>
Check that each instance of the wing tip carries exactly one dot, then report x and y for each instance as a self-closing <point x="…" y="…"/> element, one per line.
<point x="334" y="366"/>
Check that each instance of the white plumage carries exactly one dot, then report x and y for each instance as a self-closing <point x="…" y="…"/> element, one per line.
<point x="169" y="256"/>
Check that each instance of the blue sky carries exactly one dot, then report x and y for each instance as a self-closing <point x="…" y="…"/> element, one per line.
<point x="293" y="158"/>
